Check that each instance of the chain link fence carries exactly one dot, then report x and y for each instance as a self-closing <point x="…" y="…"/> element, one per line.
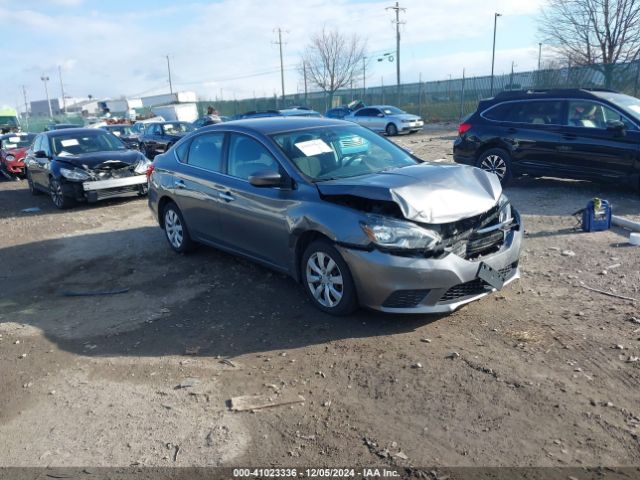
<point x="446" y="100"/>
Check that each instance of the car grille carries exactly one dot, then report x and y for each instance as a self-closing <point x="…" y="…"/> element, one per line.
<point x="462" y="239"/>
<point x="352" y="141"/>
<point x="474" y="287"/>
<point x="405" y="298"/>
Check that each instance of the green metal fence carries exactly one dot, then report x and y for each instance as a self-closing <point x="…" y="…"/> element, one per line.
<point x="446" y="100"/>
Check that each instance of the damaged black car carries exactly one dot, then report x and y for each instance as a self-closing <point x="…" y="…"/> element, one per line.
<point x="84" y="165"/>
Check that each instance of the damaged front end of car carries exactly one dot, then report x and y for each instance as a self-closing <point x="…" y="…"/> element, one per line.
<point x="106" y="179"/>
<point x="433" y="239"/>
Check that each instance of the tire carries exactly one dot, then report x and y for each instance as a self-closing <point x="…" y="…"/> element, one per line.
<point x="59" y="199"/>
<point x="391" y="130"/>
<point x="498" y="162"/>
<point x="175" y="229"/>
<point x="32" y="188"/>
<point x="322" y="268"/>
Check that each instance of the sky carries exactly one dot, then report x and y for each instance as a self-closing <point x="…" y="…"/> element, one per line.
<point x="226" y="48"/>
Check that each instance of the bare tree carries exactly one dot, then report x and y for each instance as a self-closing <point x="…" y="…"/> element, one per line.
<point x="332" y="60"/>
<point x="599" y="33"/>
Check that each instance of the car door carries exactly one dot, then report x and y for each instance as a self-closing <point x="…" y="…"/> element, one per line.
<point x="198" y="183"/>
<point x="533" y="131"/>
<point x="594" y="148"/>
<point x="42" y="164"/>
<point x="151" y="134"/>
<point x="363" y="117"/>
<point x="31" y="161"/>
<point x="253" y="219"/>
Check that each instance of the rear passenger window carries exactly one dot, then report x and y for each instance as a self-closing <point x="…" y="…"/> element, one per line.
<point x="181" y="151"/>
<point x="206" y="151"/>
<point x="499" y="112"/>
<point x="541" y="112"/>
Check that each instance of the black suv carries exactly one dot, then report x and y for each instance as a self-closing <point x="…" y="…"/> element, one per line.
<point x="568" y="133"/>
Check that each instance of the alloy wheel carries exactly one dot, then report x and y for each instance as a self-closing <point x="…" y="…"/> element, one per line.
<point x="324" y="279"/>
<point x="55" y="189"/>
<point x="173" y="228"/>
<point x="494" y="164"/>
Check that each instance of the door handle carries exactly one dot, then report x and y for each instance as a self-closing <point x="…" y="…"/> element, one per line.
<point x="227" y="197"/>
<point x="512" y="130"/>
<point x="179" y="184"/>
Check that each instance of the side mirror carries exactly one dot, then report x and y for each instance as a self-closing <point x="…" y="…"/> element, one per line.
<point x="616" y="126"/>
<point x="266" y="178"/>
<point x="41" y="154"/>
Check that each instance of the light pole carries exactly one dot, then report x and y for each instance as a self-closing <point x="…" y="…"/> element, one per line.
<point x="539" y="55"/>
<point x="169" y="70"/>
<point x="45" y="79"/>
<point x="493" y="55"/>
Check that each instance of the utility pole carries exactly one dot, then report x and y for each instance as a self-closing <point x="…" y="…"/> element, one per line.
<point x="364" y="79"/>
<point x="169" y="70"/>
<point x="397" y="21"/>
<point x="304" y="70"/>
<point x="26" y="105"/>
<point x="539" y="55"/>
<point x="462" y="95"/>
<point x="64" y="102"/>
<point x="45" y="79"/>
<point x="493" y="55"/>
<point x="279" y="42"/>
<point x="511" y="79"/>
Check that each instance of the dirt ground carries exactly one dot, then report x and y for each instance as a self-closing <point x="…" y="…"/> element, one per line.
<point x="543" y="373"/>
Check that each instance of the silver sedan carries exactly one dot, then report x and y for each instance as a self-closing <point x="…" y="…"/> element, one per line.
<point x="386" y="119"/>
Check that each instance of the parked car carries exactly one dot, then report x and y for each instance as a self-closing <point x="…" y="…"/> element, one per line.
<point x="13" y="147"/>
<point x="84" y="164"/>
<point x="353" y="217"/>
<point x="286" y="112"/>
<point x="386" y="119"/>
<point x="257" y="114"/>
<point x="159" y="137"/>
<point x="567" y="133"/>
<point x="124" y="133"/>
<point x="206" y="120"/>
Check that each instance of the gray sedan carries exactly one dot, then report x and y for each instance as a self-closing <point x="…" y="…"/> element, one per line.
<point x="350" y="215"/>
<point x="386" y="119"/>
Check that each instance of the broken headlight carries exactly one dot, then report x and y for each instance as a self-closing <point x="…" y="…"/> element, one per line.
<point x="74" y="174"/>
<point x="397" y="234"/>
<point x="142" y="166"/>
<point x="504" y="206"/>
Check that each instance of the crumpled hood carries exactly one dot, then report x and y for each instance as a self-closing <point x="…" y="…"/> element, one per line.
<point x="426" y="193"/>
<point x="113" y="159"/>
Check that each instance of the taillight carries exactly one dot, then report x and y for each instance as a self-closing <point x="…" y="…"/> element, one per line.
<point x="150" y="170"/>
<point x="463" y="128"/>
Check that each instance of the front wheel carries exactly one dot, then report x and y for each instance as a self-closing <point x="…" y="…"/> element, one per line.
<point x="498" y="162"/>
<point x="391" y="130"/>
<point x="176" y="230"/>
<point x="327" y="279"/>
<point x="59" y="199"/>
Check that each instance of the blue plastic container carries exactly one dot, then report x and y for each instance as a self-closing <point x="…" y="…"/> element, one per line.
<point x="597" y="216"/>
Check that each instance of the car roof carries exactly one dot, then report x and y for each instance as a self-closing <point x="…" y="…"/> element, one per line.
<point x="271" y="125"/>
<point x="548" y="93"/>
<point x="68" y="131"/>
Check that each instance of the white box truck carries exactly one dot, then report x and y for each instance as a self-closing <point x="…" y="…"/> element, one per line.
<point x="182" y="112"/>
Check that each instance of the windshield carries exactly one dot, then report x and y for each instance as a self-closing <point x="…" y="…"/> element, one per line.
<point x="138" y="128"/>
<point x="340" y="152"/>
<point x="631" y="105"/>
<point x="17" y="141"/>
<point x="80" y="143"/>
<point x="177" y="128"/>
<point x="13" y="121"/>
<point x="392" y="111"/>
<point x="120" y="131"/>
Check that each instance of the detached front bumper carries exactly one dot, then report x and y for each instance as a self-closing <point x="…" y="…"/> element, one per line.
<point x="93" y="191"/>
<point x="397" y="284"/>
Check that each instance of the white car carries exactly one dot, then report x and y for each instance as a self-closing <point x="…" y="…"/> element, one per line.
<point x="386" y="119"/>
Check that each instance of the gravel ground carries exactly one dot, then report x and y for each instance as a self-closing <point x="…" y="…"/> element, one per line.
<point x="544" y="373"/>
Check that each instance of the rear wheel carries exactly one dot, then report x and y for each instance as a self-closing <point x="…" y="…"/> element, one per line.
<point x="176" y="230"/>
<point x="327" y="279"/>
<point x="59" y="199"/>
<point x="391" y="130"/>
<point x="498" y="162"/>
